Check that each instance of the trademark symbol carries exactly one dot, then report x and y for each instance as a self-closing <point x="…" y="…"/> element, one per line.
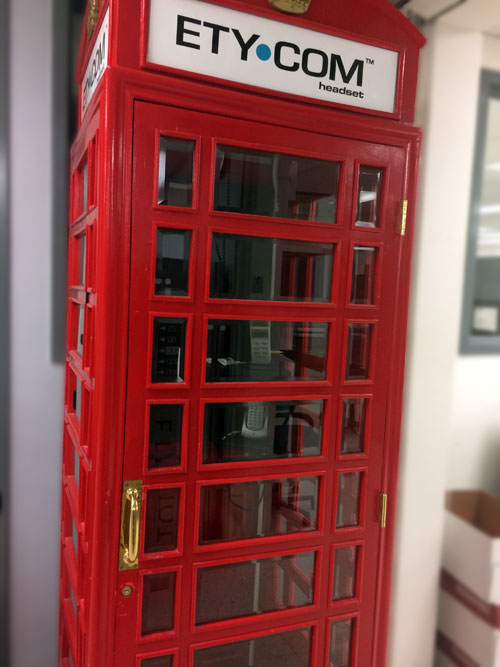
<point x="370" y="61"/>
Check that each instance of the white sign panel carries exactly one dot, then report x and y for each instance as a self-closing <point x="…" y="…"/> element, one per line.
<point x="97" y="64"/>
<point x="216" y="41"/>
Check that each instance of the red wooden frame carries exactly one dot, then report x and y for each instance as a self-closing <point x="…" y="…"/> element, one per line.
<point x="95" y="446"/>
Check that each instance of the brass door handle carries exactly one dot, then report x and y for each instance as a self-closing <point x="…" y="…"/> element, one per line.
<point x="130" y="525"/>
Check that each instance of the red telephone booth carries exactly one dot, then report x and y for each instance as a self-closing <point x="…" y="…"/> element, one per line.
<point x="242" y="194"/>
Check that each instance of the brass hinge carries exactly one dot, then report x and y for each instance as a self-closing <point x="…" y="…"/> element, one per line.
<point x="383" y="510"/>
<point x="404" y="214"/>
<point x="130" y="525"/>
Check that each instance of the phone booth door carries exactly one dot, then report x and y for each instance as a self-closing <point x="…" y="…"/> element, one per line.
<point x="261" y="306"/>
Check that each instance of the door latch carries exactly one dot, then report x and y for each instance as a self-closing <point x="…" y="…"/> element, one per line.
<point x="130" y="525"/>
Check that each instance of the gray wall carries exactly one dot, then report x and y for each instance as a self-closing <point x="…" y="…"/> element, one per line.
<point x="36" y="382"/>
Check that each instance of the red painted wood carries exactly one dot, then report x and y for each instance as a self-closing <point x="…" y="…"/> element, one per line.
<point x="133" y="105"/>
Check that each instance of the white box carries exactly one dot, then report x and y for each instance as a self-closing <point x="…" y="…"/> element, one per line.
<point x="471" y="549"/>
<point x="473" y="636"/>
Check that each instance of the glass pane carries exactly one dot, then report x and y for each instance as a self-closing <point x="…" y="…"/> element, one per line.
<point x="252" y="587"/>
<point x="369" y="192"/>
<point x="158" y="599"/>
<point x="162" y="520"/>
<point x="363" y="275"/>
<point x="76" y="467"/>
<point x="353" y="426"/>
<point x="486" y="269"/>
<point x="81" y="324"/>
<point x="251" y="351"/>
<point x="274" y="184"/>
<point x="169" y="339"/>
<point x="358" y="351"/>
<point x="175" y="178"/>
<point x="85" y="182"/>
<point x="341" y="643"/>
<point x="165" y="435"/>
<point x="74" y="535"/>
<point x="292" y="648"/>
<point x="260" y="430"/>
<point x="344" y="573"/>
<point x="251" y="267"/>
<point x="245" y="510"/>
<point x="83" y="244"/>
<point x="172" y="262"/>
<point x="158" y="661"/>
<point x="348" y="500"/>
<point x="78" y="398"/>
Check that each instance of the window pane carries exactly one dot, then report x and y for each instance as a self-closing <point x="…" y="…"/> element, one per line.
<point x="78" y="398"/>
<point x="292" y="648"/>
<point x="169" y="338"/>
<point x="344" y="573"/>
<point x="175" y="179"/>
<point x="83" y="244"/>
<point x="348" y="500"/>
<point x="85" y="182"/>
<point x="165" y="435"/>
<point x="172" y="262"/>
<point x="259" y="351"/>
<point x="363" y="275"/>
<point x="246" y="510"/>
<point x="267" y="269"/>
<point x="353" y="426"/>
<point x="260" y="430"/>
<point x="358" y="351"/>
<point x="162" y="520"/>
<point x="158" y="661"/>
<point x="277" y="185"/>
<point x="369" y="192"/>
<point x="341" y="643"/>
<point x="486" y="279"/>
<point x="81" y="324"/>
<point x="252" y="587"/>
<point x="158" y="599"/>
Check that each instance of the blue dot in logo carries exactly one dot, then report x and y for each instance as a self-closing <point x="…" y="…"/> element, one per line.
<point x="263" y="52"/>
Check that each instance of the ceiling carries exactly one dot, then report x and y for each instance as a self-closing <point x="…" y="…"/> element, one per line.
<point x="476" y="15"/>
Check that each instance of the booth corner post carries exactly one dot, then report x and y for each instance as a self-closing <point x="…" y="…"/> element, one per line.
<point x="242" y="203"/>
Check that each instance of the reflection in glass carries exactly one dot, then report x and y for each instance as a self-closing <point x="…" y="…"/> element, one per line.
<point x="348" y="499"/>
<point x="277" y="185"/>
<point x="78" y="398"/>
<point x="81" y="324"/>
<point x="252" y="587"/>
<point x="158" y="600"/>
<point x="260" y="351"/>
<point x="369" y="192"/>
<point x="85" y="185"/>
<point x="363" y="275"/>
<point x="341" y="643"/>
<point x="353" y="426"/>
<point x="158" y="661"/>
<point x="172" y="262"/>
<point x="344" y="573"/>
<point x="175" y="178"/>
<point x="162" y="520"/>
<point x="246" y="510"/>
<point x="260" y="430"/>
<point x="74" y="535"/>
<point x="253" y="267"/>
<point x="169" y="342"/>
<point x="165" y="435"/>
<point x="291" y="648"/>
<point x="358" y="351"/>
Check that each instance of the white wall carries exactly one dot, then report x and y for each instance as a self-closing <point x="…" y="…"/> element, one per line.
<point x="447" y="105"/>
<point x="36" y="383"/>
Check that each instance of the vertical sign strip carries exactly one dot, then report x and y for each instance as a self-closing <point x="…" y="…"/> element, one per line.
<point x="97" y="64"/>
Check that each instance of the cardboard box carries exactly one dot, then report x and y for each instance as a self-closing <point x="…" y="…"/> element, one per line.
<point x="471" y="550"/>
